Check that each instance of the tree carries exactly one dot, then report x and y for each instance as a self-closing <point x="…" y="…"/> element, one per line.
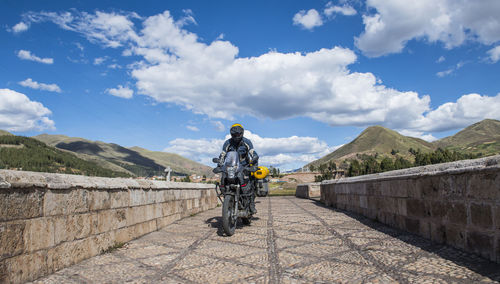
<point x="387" y="164"/>
<point x="312" y="168"/>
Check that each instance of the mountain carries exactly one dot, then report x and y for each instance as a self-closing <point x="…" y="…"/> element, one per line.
<point x="136" y="161"/>
<point x="176" y="162"/>
<point x="18" y="152"/>
<point x="376" y="139"/>
<point x="2" y="132"/>
<point x="482" y="137"/>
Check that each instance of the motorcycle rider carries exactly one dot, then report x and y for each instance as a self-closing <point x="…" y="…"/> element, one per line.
<point x="245" y="149"/>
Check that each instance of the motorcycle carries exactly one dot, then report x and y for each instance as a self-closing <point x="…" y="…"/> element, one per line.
<point x="237" y="186"/>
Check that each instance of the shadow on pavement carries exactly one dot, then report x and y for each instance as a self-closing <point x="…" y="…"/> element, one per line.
<point x="216" y="222"/>
<point x="473" y="262"/>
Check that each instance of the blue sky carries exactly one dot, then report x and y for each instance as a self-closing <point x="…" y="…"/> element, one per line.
<point x="303" y="77"/>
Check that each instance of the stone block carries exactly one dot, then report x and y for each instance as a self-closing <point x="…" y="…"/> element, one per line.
<point x="416" y="208"/>
<point x="168" y="208"/>
<point x="137" y="197"/>
<point x="124" y="235"/>
<point x="425" y="229"/>
<point x="69" y="228"/>
<point x="497" y="217"/>
<point x="412" y="225"/>
<point x="119" y="198"/>
<point x="150" y="196"/>
<point x="438" y="233"/>
<point x="39" y="234"/>
<point x="65" y="202"/>
<point x="400" y="222"/>
<point x="12" y="238"/>
<point x="439" y="210"/>
<point x="25" y="267"/>
<point x="363" y="201"/>
<point x="429" y="186"/>
<point x="457" y="213"/>
<point x="480" y="243"/>
<point x="453" y="186"/>
<point x="100" y="243"/>
<point x="374" y="188"/>
<point x="412" y="189"/>
<point x="20" y="204"/>
<point x="481" y="215"/>
<point x="196" y="203"/>
<point x="398" y="188"/>
<point x="69" y="253"/>
<point x="455" y="236"/>
<point x="484" y="185"/>
<point x="150" y="212"/>
<point x="112" y="219"/>
<point x="402" y="209"/>
<point x="99" y="200"/>
<point x="373" y="202"/>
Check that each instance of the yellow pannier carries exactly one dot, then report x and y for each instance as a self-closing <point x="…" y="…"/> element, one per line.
<point x="261" y="173"/>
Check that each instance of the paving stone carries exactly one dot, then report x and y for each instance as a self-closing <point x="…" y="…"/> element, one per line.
<point x="290" y="240"/>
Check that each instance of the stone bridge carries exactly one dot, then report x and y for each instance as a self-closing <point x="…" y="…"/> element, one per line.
<point x="70" y="229"/>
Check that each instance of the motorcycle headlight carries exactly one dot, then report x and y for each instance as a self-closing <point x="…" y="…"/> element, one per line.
<point x="231" y="172"/>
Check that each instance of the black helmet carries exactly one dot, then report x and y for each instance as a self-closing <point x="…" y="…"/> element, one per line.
<point x="236" y="132"/>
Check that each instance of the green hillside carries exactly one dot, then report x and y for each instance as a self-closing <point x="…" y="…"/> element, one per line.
<point x="137" y="161"/>
<point x="482" y="137"/>
<point x="2" y="132"/>
<point x="17" y="152"/>
<point x="176" y="162"/>
<point x="376" y="140"/>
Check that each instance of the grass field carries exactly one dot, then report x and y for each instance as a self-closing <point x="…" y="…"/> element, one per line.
<point x="282" y="189"/>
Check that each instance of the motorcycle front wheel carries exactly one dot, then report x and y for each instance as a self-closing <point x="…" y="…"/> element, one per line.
<point x="228" y="220"/>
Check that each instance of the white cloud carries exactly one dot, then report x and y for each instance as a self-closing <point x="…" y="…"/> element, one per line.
<point x="467" y="110"/>
<point x="114" y="66"/>
<point x="494" y="54"/>
<point x="26" y="55"/>
<point x="110" y="29"/>
<point x="441" y="59"/>
<point x="100" y="60"/>
<point x="122" y="92"/>
<point x="219" y="126"/>
<point x="308" y="20"/>
<point x="192" y="128"/>
<point x="178" y="68"/>
<point x="29" y="83"/>
<point x="19" y="113"/>
<point x="451" y="22"/>
<point x="20" y="27"/>
<point x="450" y="70"/>
<point x="286" y="152"/>
<point x="418" y="134"/>
<point x="346" y="10"/>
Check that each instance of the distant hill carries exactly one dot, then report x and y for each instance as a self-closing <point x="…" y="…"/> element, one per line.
<point x="176" y="162"/>
<point x="482" y="137"/>
<point x="376" y="139"/>
<point x="2" y="132"/>
<point x="137" y="161"/>
<point x="18" y="152"/>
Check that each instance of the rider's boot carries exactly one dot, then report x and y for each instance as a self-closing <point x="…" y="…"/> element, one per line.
<point x="253" y="210"/>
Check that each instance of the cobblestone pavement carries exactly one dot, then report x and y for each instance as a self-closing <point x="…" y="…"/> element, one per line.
<point x="290" y="240"/>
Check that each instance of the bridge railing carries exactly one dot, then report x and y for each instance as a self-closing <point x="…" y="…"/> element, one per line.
<point x="51" y="221"/>
<point x="455" y="203"/>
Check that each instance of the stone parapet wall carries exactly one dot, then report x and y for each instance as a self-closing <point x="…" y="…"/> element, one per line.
<point x="454" y="203"/>
<point x="51" y="221"/>
<point x="308" y="190"/>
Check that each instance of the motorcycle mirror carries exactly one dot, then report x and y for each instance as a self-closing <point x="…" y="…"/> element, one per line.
<point x="217" y="170"/>
<point x="215" y="160"/>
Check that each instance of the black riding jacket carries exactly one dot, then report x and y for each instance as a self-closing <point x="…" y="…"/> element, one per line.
<point x="244" y="148"/>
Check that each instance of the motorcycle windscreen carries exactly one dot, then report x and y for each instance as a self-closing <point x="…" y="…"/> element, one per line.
<point x="232" y="159"/>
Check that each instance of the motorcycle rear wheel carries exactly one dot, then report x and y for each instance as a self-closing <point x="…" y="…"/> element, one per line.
<point x="228" y="221"/>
